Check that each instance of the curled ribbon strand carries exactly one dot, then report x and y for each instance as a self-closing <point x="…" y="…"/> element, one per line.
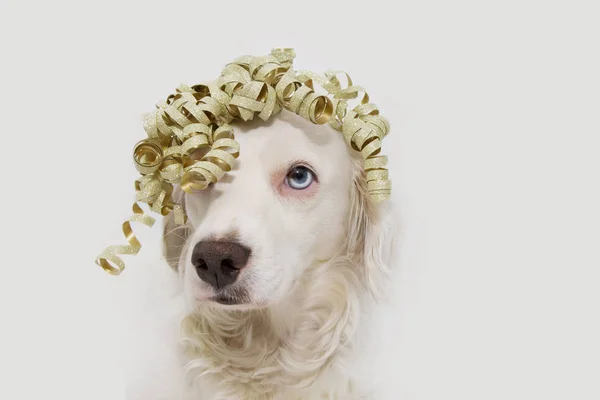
<point x="109" y="259"/>
<point x="190" y="141"/>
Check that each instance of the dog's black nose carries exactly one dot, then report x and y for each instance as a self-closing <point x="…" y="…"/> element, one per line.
<point x="219" y="262"/>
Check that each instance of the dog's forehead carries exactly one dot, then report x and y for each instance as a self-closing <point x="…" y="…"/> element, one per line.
<point x="288" y="137"/>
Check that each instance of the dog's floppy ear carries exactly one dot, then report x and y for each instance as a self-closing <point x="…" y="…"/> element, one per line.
<point x="373" y="237"/>
<point x="174" y="236"/>
<point x="380" y="251"/>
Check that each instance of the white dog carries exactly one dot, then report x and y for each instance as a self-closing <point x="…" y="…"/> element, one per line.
<point x="276" y="272"/>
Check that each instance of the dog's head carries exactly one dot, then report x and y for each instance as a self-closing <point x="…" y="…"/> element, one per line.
<point x="296" y="197"/>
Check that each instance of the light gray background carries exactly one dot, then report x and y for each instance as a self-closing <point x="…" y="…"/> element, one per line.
<point x="495" y="112"/>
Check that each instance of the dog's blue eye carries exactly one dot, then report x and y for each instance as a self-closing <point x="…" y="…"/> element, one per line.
<point x="299" y="177"/>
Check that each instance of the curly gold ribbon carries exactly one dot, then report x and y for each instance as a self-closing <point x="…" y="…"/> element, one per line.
<point x="191" y="144"/>
<point x="108" y="259"/>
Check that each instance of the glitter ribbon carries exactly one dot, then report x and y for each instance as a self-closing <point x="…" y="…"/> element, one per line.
<point x="190" y="142"/>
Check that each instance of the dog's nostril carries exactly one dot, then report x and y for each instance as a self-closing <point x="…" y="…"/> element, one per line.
<point x="199" y="263"/>
<point x="228" y="267"/>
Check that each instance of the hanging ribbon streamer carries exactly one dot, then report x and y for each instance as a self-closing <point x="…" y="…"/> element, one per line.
<point x="190" y="141"/>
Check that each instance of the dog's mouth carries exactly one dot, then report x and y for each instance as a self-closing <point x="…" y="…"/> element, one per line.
<point x="225" y="300"/>
<point x="235" y="300"/>
<point x="231" y="296"/>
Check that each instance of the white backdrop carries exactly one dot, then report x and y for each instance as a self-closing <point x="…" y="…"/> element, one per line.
<point x="494" y="150"/>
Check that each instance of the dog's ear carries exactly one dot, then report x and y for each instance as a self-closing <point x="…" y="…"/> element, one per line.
<point x="381" y="245"/>
<point x="174" y="236"/>
<point x="373" y="237"/>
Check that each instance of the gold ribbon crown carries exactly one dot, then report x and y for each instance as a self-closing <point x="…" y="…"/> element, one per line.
<point x="197" y="118"/>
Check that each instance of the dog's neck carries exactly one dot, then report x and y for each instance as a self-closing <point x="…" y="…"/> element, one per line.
<point x="290" y="345"/>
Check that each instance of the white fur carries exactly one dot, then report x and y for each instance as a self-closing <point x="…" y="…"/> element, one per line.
<point x="316" y="266"/>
